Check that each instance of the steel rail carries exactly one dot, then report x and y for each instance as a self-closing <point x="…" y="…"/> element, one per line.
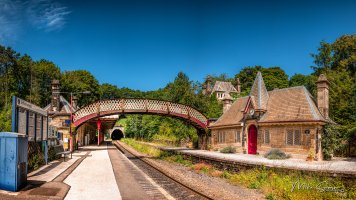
<point x="123" y="149"/>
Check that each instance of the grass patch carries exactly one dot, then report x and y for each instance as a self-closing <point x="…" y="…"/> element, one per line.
<point x="157" y="153"/>
<point x="293" y="185"/>
<point x="273" y="183"/>
<point x="143" y="148"/>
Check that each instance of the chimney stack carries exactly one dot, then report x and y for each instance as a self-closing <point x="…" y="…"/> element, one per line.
<point x="208" y="85"/>
<point x="55" y="96"/>
<point x="204" y="89"/>
<point x="75" y="102"/>
<point x="227" y="100"/>
<point x="238" y="85"/>
<point x="323" y="95"/>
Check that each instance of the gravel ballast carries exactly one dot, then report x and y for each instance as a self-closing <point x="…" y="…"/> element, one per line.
<point x="214" y="187"/>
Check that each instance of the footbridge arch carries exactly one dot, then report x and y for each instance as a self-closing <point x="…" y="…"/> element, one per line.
<point x="140" y="106"/>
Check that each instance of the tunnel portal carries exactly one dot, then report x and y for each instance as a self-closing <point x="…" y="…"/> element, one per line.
<point x="117" y="134"/>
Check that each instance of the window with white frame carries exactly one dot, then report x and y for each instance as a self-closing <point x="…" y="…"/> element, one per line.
<point x="267" y="137"/>
<point x="221" y="137"/>
<point x="293" y="137"/>
<point x="237" y="136"/>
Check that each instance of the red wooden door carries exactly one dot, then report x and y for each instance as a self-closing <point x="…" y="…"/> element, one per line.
<point x="252" y="140"/>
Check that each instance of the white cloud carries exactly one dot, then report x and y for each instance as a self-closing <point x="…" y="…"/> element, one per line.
<point x="46" y="15"/>
<point x="9" y="19"/>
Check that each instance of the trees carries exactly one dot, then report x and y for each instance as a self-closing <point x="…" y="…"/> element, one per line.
<point x="339" y="55"/>
<point x="306" y="80"/>
<point x="8" y="61"/>
<point x="274" y="77"/>
<point x="79" y="81"/>
<point x="108" y="91"/>
<point x="44" y="72"/>
<point x="338" y="62"/>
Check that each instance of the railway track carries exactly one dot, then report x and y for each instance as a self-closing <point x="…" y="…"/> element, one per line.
<point x="175" y="188"/>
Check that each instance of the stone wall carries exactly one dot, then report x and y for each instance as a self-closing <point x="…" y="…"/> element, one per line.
<point x="277" y="137"/>
<point x="58" y="121"/>
<point x="230" y="135"/>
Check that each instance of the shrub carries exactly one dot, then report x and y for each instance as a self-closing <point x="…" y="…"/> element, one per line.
<point x="52" y="154"/>
<point x="228" y="149"/>
<point x="331" y="140"/>
<point x="226" y="174"/>
<point x="35" y="161"/>
<point x="203" y="167"/>
<point x="276" y="154"/>
<point x="216" y="173"/>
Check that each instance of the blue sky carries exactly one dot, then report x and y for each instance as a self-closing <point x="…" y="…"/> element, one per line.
<point x="144" y="44"/>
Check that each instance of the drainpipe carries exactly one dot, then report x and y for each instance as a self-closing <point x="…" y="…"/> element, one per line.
<point x="243" y="134"/>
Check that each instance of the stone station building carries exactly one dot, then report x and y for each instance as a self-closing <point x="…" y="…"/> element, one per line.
<point x="59" y="111"/>
<point x="288" y="119"/>
<point x="220" y="88"/>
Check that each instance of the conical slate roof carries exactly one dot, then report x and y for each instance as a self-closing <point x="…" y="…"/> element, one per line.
<point x="259" y="92"/>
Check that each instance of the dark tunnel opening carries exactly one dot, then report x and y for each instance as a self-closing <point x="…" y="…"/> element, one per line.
<point x="117" y="134"/>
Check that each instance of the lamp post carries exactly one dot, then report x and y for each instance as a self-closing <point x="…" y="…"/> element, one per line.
<point x="71" y="114"/>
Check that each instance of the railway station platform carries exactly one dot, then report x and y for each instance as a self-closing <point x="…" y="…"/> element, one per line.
<point x="345" y="167"/>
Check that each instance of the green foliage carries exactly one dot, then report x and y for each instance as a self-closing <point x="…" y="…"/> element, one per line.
<point x="276" y="154"/>
<point x="79" y="81"/>
<point x="339" y="55"/>
<point x="108" y="91"/>
<point x="142" y="148"/>
<point x="306" y="80"/>
<point x="351" y="134"/>
<point x="228" y="149"/>
<point x="337" y="61"/>
<point x="5" y="119"/>
<point x="214" y="107"/>
<point x="35" y="160"/>
<point x="276" y="184"/>
<point x="331" y="140"/>
<point x="274" y="77"/>
<point x="52" y="154"/>
<point x="158" y="128"/>
<point x="44" y="72"/>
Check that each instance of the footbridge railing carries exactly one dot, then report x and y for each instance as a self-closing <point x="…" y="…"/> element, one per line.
<point x="140" y="106"/>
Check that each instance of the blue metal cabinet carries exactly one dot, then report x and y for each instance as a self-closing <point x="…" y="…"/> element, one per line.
<point x="13" y="161"/>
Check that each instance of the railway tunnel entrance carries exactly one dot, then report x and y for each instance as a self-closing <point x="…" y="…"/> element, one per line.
<point x="117" y="134"/>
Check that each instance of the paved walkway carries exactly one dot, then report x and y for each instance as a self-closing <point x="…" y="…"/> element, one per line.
<point x="94" y="177"/>
<point x="342" y="166"/>
<point x="53" y="169"/>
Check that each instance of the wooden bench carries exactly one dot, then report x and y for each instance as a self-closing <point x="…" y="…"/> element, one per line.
<point x="60" y="151"/>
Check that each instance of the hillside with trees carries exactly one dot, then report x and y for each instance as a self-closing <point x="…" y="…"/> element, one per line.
<point x="26" y="78"/>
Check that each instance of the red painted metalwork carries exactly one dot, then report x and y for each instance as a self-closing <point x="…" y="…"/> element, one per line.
<point x="139" y="106"/>
<point x="252" y="139"/>
<point x="98" y="126"/>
